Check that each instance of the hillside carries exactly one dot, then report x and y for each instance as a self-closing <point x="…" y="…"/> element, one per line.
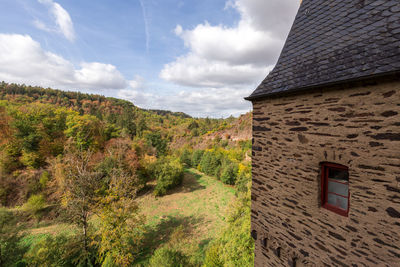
<point x="118" y="183"/>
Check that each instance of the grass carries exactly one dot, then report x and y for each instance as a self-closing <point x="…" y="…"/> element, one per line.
<point x="188" y="218"/>
<point x="42" y="230"/>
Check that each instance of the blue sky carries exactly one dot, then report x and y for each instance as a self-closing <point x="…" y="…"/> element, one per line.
<point x="199" y="57"/>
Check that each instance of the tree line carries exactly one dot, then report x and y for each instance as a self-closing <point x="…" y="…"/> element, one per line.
<point x="84" y="159"/>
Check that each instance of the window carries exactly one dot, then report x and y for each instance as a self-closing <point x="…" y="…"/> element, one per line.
<point x="264" y="242"/>
<point x="293" y="262"/>
<point x="254" y="234"/>
<point x="335" y="195"/>
<point x="278" y="252"/>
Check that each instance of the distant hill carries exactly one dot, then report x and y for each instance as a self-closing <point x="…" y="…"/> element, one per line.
<point x="167" y="112"/>
<point x="161" y="183"/>
<point x="179" y="126"/>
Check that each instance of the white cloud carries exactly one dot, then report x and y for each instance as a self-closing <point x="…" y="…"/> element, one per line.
<point x="225" y="63"/>
<point x="95" y="75"/>
<point x="22" y="60"/>
<point x="178" y="30"/>
<point x="62" y="21"/>
<point x="137" y="82"/>
<point x="42" y="26"/>
<point x="196" y="71"/>
<point x="213" y="102"/>
<point x="240" y="45"/>
<point x="228" y="56"/>
<point x="273" y="16"/>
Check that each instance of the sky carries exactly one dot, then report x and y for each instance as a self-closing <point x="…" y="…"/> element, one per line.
<point x="198" y="57"/>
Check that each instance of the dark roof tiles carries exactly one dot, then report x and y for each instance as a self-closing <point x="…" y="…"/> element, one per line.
<point x="336" y="41"/>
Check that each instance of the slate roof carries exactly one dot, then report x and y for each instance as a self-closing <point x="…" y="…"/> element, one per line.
<point x="333" y="41"/>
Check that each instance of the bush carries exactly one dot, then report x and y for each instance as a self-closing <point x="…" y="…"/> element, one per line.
<point x="168" y="174"/>
<point x="234" y="247"/>
<point x="55" y="251"/>
<point x="44" y="178"/>
<point x="186" y="157"/>
<point x="35" y="205"/>
<point x="212" y="258"/>
<point x="229" y="173"/>
<point x="168" y="257"/>
<point x="31" y="159"/>
<point x="196" y="157"/>
<point x="156" y="140"/>
<point x="210" y="162"/>
<point x="243" y="180"/>
<point x="11" y="249"/>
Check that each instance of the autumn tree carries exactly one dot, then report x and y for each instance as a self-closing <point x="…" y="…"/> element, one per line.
<point x="120" y="231"/>
<point x="80" y="186"/>
<point x="120" y="228"/>
<point x="85" y="131"/>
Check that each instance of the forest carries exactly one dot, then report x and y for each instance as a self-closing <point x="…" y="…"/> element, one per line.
<point x="88" y="180"/>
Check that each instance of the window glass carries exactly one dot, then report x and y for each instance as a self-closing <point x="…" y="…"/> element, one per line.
<point x="338" y="188"/>
<point x="338" y="174"/>
<point x="338" y="201"/>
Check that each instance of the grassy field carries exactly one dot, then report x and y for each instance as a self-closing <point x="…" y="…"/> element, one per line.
<point x="188" y="218"/>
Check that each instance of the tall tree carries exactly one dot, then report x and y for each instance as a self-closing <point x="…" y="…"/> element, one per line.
<point x="80" y="186"/>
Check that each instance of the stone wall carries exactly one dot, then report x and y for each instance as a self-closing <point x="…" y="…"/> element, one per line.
<point x="358" y="127"/>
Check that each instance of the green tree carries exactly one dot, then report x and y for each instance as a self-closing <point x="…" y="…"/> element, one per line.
<point x="11" y="251"/>
<point x="84" y="130"/>
<point x="156" y="140"/>
<point x="229" y="173"/>
<point x="196" y="157"/>
<point x="169" y="173"/>
<point x="141" y="127"/>
<point x="210" y="162"/>
<point x="168" y="257"/>
<point x="186" y="157"/>
<point x="54" y="251"/>
<point x="120" y="231"/>
<point x="234" y="247"/>
<point x="35" y="205"/>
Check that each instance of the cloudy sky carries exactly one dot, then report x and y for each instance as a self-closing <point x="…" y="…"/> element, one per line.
<point x="199" y="57"/>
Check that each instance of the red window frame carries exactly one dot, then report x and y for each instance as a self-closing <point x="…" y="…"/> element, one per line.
<point x="325" y="166"/>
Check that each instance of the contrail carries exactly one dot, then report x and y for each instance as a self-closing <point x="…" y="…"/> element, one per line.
<point x="146" y="25"/>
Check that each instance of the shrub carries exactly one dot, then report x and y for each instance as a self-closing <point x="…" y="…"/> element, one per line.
<point x="209" y="162"/>
<point x="243" y="180"/>
<point x="168" y="174"/>
<point x="212" y="258"/>
<point x="229" y="173"/>
<point x="57" y="251"/>
<point x="44" y="178"/>
<point x="196" y="157"/>
<point x="234" y="247"/>
<point x="224" y="143"/>
<point x="186" y="157"/>
<point x="168" y="257"/>
<point x="10" y="161"/>
<point x="31" y="159"/>
<point x="156" y="140"/>
<point x="35" y="205"/>
<point x="11" y="249"/>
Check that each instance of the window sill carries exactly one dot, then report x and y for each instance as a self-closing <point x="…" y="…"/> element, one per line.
<point x="336" y="210"/>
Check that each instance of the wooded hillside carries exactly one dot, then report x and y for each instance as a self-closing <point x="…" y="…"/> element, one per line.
<point x="90" y="164"/>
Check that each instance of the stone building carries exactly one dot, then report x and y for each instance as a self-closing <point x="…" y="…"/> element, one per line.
<point x="326" y="140"/>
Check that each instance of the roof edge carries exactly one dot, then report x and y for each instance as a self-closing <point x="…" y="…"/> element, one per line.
<point x="325" y="84"/>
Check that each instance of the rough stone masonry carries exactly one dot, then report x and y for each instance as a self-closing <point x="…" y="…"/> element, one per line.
<point x="355" y="126"/>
